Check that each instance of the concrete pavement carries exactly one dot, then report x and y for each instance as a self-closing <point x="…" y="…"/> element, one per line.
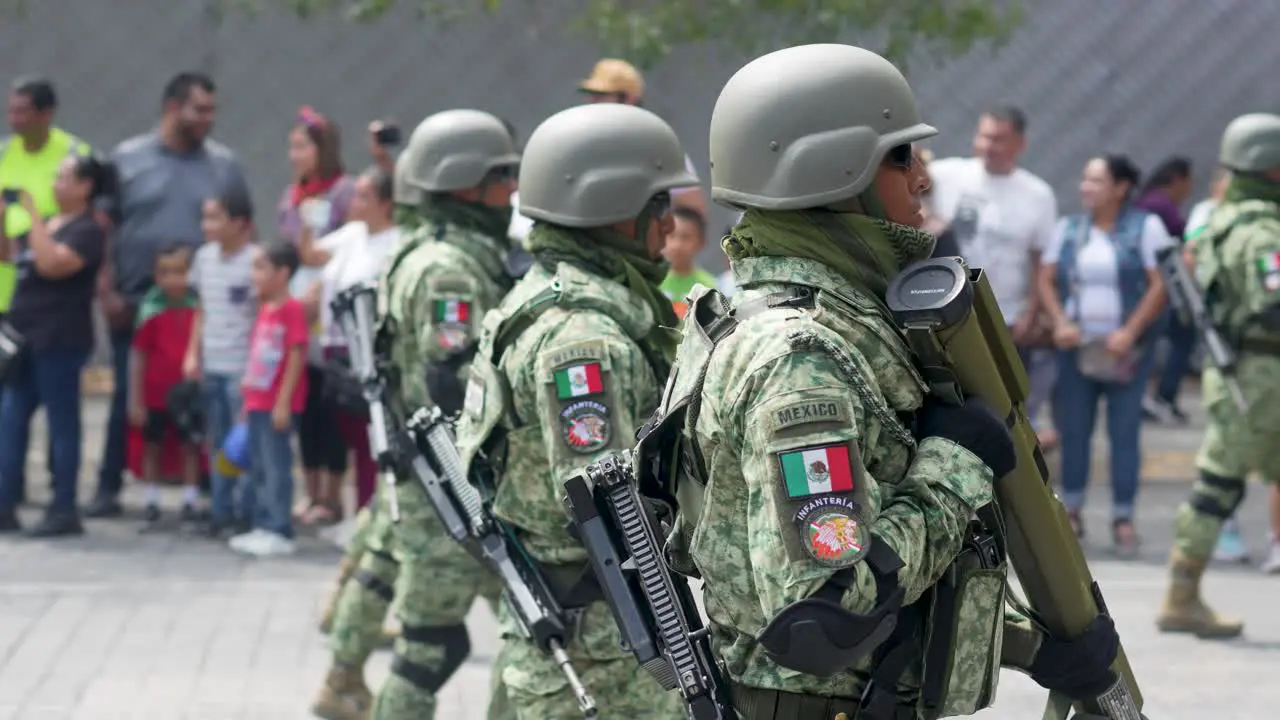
<point x="122" y="626"/>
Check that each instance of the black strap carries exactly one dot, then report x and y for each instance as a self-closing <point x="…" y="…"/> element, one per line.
<point x="374" y="584"/>
<point x="1261" y="346"/>
<point x="884" y="563"/>
<point x="382" y="555"/>
<point x="880" y="697"/>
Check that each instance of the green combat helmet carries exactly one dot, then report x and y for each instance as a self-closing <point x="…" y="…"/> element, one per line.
<point x="455" y="149"/>
<point x="1251" y="143"/>
<point x="402" y="193"/>
<point x="595" y="165"/>
<point x="808" y="126"/>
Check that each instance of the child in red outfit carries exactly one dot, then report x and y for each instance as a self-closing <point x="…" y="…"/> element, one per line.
<point x="274" y="391"/>
<point x="165" y="321"/>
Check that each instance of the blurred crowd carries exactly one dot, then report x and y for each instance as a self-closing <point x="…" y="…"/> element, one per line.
<point x="219" y="327"/>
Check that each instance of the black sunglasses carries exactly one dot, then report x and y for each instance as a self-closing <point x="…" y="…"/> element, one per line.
<point x="504" y="172"/>
<point x="901" y="156"/>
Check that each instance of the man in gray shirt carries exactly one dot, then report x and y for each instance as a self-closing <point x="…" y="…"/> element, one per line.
<point x="165" y="176"/>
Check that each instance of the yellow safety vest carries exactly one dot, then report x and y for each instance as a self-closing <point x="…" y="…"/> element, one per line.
<point x="35" y="173"/>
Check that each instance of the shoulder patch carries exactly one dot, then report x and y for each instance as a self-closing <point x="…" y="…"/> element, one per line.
<point x="585" y="426"/>
<point x="577" y="385"/>
<point x="810" y="411"/>
<point x="1268" y="266"/>
<point x="574" y="353"/>
<point x="816" y="470"/>
<point x="833" y="532"/>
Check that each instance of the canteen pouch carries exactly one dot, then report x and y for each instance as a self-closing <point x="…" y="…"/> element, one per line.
<point x="965" y="631"/>
<point x="13" y="348"/>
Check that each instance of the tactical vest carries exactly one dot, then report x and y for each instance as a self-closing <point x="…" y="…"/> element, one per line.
<point x="489" y="405"/>
<point x="672" y="472"/>
<point x="443" y="376"/>
<point x="1223" y="295"/>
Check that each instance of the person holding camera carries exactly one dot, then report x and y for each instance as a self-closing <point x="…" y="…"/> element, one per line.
<point x="49" y="335"/>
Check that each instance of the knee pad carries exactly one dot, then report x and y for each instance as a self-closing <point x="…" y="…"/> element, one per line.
<point x="452" y="639"/>
<point x="1217" y="496"/>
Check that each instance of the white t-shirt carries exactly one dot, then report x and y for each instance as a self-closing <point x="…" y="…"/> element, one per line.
<point x="1099" y="310"/>
<point x="359" y="259"/>
<point x="1199" y="216"/>
<point x="229" y="306"/>
<point x="999" y="221"/>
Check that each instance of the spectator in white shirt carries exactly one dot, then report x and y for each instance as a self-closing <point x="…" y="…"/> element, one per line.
<point x="1102" y="287"/>
<point x="1001" y="218"/>
<point x="355" y="258"/>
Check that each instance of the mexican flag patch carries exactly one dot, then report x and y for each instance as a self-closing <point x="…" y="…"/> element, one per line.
<point x="817" y="470"/>
<point x="1269" y="271"/>
<point x="455" y="311"/>
<point x="579" y="380"/>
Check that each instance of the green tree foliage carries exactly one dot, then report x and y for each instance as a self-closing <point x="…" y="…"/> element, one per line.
<point x="645" y="31"/>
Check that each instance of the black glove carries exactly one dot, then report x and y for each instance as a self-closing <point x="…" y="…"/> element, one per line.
<point x="1081" y="668"/>
<point x="973" y="426"/>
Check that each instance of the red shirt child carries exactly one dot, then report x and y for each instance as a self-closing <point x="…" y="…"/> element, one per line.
<point x="160" y="341"/>
<point x="166" y="319"/>
<point x="280" y="327"/>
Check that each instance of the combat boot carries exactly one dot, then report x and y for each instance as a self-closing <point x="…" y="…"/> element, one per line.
<point x="343" y="696"/>
<point x="1184" y="611"/>
<point x="345" y="568"/>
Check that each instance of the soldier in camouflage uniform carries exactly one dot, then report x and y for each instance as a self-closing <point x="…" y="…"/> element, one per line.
<point x="438" y="293"/>
<point x="809" y="499"/>
<point x="1237" y="265"/>
<point x="369" y="570"/>
<point x="568" y="368"/>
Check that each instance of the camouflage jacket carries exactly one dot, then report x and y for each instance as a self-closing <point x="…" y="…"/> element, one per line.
<point x="558" y="381"/>
<point x="438" y="288"/>
<point x="805" y="458"/>
<point x="1237" y="264"/>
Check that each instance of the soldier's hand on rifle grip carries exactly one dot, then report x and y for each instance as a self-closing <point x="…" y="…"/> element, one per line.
<point x="973" y="426"/>
<point x="1081" y="668"/>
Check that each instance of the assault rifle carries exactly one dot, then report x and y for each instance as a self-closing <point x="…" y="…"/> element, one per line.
<point x="953" y="324"/>
<point x="654" y="608"/>
<point x="1188" y="302"/>
<point x="355" y="312"/>
<point x="469" y="520"/>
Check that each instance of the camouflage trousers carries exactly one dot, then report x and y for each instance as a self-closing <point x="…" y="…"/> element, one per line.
<point x="365" y="598"/>
<point x="1234" y="445"/>
<point x="439" y="582"/>
<point x="537" y="689"/>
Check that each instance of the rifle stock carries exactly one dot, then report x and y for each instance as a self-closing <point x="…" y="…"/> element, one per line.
<point x="954" y="326"/>
<point x="355" y="311"/>
<point x="471" y="522"/>
<point x="654" y="607"/>
<point x="1189" y="304"/>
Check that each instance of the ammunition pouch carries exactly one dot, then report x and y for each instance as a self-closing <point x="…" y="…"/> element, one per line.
<point x="444" y="381"/>
<point x="818" y="636"/>
<point x="965" y="630"/>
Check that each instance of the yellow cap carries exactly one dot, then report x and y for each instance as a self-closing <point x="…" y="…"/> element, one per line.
<point x="611" y="75"/>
